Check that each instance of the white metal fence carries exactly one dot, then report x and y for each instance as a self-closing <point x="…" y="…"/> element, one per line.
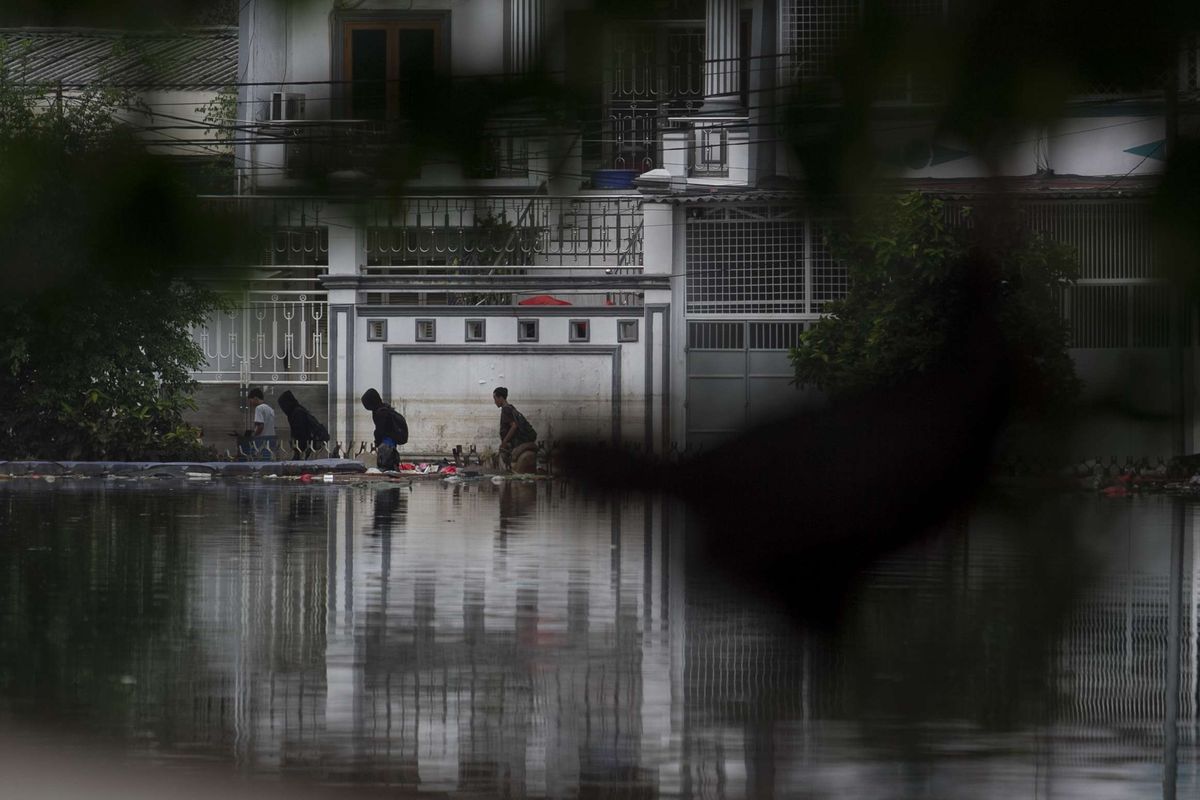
<point x="275" y="337"/>
<point x="275" y="328"/>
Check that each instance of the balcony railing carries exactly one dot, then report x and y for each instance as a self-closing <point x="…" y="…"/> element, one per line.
<point x="501" y="231"/>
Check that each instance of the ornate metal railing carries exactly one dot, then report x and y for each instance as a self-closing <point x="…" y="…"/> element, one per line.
<point x="267" y="336"/>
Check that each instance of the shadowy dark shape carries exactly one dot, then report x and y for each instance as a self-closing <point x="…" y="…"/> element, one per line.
<point x="797" y="508"/>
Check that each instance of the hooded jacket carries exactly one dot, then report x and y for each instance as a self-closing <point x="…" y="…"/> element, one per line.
<point x="389" y="423"/>
<point x="306" y="429"/>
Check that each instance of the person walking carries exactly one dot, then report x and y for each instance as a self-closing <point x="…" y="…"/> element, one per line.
<point x="307" y="430"/>
<point x="263" y="437"/>
<point x="391" y="430"/>
<point x="518" y="439"/>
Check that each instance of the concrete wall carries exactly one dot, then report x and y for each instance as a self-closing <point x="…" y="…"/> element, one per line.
<point x="444" y="387"/>
<point x="1128" y="396"/>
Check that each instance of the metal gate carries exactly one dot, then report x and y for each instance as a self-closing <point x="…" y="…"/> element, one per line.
<point x="738" y="376"/>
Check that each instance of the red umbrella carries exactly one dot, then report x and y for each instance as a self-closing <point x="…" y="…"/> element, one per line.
<point x="543" y="300"/>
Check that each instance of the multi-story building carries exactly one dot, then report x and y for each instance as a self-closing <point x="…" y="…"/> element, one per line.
<point x="632" y="271"/>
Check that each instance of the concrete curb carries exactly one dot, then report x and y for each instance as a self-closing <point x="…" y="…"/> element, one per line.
<point x="181" y="469"/>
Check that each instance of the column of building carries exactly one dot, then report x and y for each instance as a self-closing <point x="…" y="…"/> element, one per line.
<point x="524" y="28"/>
<point x="722" y="57"/>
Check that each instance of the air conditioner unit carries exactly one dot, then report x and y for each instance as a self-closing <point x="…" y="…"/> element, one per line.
<point x="287" y="106"/>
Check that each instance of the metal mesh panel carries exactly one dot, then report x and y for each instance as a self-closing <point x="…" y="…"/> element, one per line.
<point x="830" y="279"/>
<point x="810" y="32"/>
<point x="775" y="335"/>
<point x="1113" y="238"/>
<point x="747" y="260"/>
<point x="716" y="336"/>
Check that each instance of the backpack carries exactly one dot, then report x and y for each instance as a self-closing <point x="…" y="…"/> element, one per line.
<point x="319" y="432"/>
<point x="399" y="426"/>
<point x="386" y="457"/>
<point x="525" y="431"/>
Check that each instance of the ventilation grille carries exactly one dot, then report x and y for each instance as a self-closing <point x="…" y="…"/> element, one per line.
<point x="716" y="336"/>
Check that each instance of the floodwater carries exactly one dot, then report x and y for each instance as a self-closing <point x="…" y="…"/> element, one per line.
<point x="533" y="640"/>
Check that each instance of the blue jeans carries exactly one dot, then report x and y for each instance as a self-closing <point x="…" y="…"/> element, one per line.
<point x="262" y="443"/>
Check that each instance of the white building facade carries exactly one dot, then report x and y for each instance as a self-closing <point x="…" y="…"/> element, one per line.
<point x="655" y="211"/>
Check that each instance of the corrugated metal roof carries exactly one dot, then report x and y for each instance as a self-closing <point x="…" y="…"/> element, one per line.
<point x="184" y="59"/>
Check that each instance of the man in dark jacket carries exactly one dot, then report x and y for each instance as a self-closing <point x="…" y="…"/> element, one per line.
<point x="307" y="431"/>
<point x="391" y="429"/>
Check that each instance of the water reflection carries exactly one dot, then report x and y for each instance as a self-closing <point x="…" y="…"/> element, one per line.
<point x="529" y="639"/>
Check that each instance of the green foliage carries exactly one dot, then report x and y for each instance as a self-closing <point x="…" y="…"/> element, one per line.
<point x="95" y="311"/>
<point x="912" y="297"/>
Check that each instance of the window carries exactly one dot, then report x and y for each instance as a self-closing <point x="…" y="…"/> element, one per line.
<point x="627" y="330"/>
<point x="527" y="330"/>
<point x="426" y="330"/>
<point x="391" y="62"/>
<point x="580" y="330"/>
<point x="476" y="330"/>
<point x="377" y="330"/>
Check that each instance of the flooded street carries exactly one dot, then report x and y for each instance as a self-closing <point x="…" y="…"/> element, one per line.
<point x="533" y="640"/>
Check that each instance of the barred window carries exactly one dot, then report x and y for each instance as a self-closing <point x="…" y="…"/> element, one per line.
<point x="810" y="32"/>
<point x="1113" y="238"/>
<point x="716" y="336"/>
<point x="1110" y="316"/>
<point x="758" y="260"/>
<point x="775" y="335"/>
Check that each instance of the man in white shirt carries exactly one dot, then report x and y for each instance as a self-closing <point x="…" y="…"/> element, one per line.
<point x="264" y="425"/>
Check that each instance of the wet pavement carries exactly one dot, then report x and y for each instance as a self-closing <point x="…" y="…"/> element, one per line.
<point x="530" y="639"/>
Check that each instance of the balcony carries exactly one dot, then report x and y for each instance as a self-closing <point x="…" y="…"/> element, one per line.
<point x="350" y="155"/>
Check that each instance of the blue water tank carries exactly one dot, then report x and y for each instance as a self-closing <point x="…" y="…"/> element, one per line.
<point x="614" y="178"/>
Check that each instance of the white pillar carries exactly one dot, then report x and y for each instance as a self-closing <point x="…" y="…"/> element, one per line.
<point x="722" y="62"/>
<point x="674" y="157"/>
<point x="524" y="28"/>
<point x="347" y="250"/>
<point x="738" y="150"/>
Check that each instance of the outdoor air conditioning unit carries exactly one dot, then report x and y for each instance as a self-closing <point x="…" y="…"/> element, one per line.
<point x="287" y="106"/>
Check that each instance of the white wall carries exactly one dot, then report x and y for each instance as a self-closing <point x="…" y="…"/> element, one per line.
<point x="446" y="397"/>
<point x="1097" y="145"/>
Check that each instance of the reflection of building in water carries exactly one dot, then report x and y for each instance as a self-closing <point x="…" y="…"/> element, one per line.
<point x="473" y="653"/>
<point x="1116" y="658"/>
<point x="449" y="637"/>
<point x="258" y="615"/>
<point x="528" y="639"/>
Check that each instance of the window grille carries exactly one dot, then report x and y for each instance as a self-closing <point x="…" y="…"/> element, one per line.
<point x="426" y="330"/>
<point x="810" y="32"/>
<point x="754" y="260"/>
<point x="1113" y="238"/>
<point x="1099" y="316"/>
<point x="656" y="69"/>
<point x="377" y="330"/>
<point x="716" y="336"/>
<point x="1119" y="315"/>
<point x="830" y="279"/>
<point x="476" y="330"/>
<point x="775" y="335"/>
<point x="1150" y="315"/>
